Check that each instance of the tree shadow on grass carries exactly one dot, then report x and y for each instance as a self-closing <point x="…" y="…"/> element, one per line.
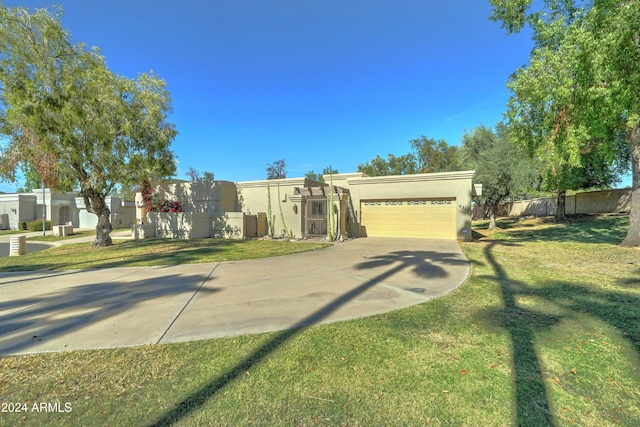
<point x="610" y="229"/>
<point x="532" y="405"/>
<point x="390" y="265"/>
<point x="618" y="309"/>
<point x="631" y="282"/>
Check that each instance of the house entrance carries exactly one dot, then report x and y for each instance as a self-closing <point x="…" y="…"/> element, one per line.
<point x="316" y="216"/>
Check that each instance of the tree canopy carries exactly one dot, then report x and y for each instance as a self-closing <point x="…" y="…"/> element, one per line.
<point x="328" y="170"/>
<point x="500" y="166"/>
<point x="70" y="119"/>
<point x="578" y="97"/>
<point x="427" y="155"/>
<point x="277" y="170"/>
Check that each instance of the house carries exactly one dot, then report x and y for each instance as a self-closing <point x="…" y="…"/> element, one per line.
<point x="433" y="205"/>
<point x="60" y="209"/>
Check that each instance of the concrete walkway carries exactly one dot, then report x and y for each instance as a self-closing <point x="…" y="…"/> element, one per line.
<point x="33" y="246"/>
<point x="101" y="308"/>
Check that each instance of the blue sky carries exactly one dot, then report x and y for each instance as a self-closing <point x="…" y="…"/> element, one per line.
<point x="317" y="83"/>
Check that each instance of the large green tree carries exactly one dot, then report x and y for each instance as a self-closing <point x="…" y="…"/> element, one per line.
<point x="64" y="114"/>
<point x="579" y="93"/>
<point x="393" y="165"/>
<point x="433" y="155"/>
<point x="500" y="166"/>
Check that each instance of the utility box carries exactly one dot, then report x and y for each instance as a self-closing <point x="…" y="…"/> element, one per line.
<point x="17" y="245"/>
<point x="62" y="230"/>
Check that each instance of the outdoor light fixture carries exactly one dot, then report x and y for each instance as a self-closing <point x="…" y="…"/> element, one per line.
<point x="295" y="209"/>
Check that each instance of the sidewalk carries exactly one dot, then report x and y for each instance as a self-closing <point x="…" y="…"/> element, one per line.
<point x="6" y="238"/>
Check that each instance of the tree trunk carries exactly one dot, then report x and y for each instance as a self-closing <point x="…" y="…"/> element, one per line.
<point x="561" y="214"/>
<point x="491" y="208"/>
<point x="633" y="233"/>
<point x="95" y="203"/>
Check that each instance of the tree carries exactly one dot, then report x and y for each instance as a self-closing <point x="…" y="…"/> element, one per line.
<point x="579" y="93"/>
<point x="277" y="170"/>
<point x="69" y="118"/>
<point x="31" y="180"/>
<point x="402" y="165"/>
<point x="428" y="155"/>
<point x="329" y="170"/>
<point x="434" y="155"/>
<point x="499" y="164"/>
<point x="195" y="176"/>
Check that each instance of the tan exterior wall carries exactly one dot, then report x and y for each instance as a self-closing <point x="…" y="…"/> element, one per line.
<point x="181" y="225"/>
<point x="229" y="225"/>
<point x="253" y="198"/>
<point x="202" y="196"/>
<point x="431" y="185"/>
<point x="606" y="201"/>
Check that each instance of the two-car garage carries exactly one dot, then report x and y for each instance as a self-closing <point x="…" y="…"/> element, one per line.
<point x="420" y="218"/>
<point x="431" y="205"/>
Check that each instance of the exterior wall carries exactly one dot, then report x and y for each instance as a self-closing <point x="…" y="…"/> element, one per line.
<point x="54" y="201"/>
<point x="230" y="225"/>
<point x="122" y="213"/>
<point x="18" y="208"/>
<point x="606" y="201"/>
<point x="431" y="185"/>
<point x="181" y="225"/>
<point x="192" y="225"/>
<point x="9" y="207"/>
<point x="599" y="202"/>
<point x="27" y="209"/>
<point x="21" y="207"/>
<point x="253" y="198"/>
<point x="202" y="196"/>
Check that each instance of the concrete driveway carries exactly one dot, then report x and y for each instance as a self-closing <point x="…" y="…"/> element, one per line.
<point x="5" y="248"/>
<point x="86" y="309"/>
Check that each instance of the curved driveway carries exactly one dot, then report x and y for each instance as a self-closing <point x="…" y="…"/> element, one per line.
<point x="5" y="248"/>
<point x="84" y="309"/>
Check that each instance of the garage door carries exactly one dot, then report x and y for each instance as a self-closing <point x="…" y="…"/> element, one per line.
<point x="424" y="218"/>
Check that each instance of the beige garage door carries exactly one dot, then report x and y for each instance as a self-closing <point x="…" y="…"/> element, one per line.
<point x="424" y="218"/>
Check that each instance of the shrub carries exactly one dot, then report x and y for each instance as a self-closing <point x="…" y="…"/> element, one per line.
<point x="37" y="225"/>
<point x="153" y="203"/>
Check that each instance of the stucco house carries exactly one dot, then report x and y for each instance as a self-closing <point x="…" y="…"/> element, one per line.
<point x="60" y="209"/>
<point x="432" y="205"/>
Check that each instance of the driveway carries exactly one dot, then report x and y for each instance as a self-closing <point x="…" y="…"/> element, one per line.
<point x="5" y="248"/>
<point x="86" y="309"/>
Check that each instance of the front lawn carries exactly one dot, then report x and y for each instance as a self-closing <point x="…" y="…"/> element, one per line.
<point x="149" y="252"/>
<point x="546" y="331"/>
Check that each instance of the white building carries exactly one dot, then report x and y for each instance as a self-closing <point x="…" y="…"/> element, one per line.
<point x="60" y="209"/>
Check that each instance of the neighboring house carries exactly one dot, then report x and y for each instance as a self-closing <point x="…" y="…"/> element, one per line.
<point x="60" y="209"/>
<point x="434" y="205"/>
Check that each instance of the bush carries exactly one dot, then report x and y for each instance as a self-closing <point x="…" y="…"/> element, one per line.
<point x="37" y="225"/>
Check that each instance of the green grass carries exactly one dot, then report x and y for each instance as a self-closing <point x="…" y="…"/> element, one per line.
<point x="546" y="331"/>
<point x="149" y="252"/>
<point x="49" y="237"/>
<point x="7" y="232"/>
